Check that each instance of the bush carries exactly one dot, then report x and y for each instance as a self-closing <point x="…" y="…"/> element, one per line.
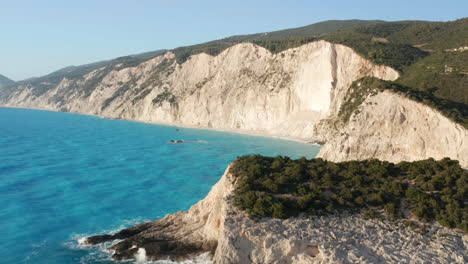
<point x="437" y="190"/>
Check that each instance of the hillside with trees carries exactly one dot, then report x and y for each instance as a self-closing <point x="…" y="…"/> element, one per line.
<point x="427" y="54"/>
<point x="4" y="81"/>
<point x="421" y="191"/>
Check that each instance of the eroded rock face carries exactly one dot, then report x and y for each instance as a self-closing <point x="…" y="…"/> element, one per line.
<point x="390" y="127"/>
<point x="341" y="238"/>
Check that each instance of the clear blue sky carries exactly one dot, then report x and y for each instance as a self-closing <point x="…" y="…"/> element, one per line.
<point x="40" y="36"/>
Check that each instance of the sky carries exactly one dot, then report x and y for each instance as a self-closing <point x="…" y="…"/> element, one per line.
<point x="41" y="36"/>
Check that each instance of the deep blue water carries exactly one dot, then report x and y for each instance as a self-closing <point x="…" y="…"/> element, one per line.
<point x="65" y="176"/>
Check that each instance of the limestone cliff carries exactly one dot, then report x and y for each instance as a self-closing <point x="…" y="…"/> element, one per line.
<point x="245" y="88"/>
<point x="391" y="127"/>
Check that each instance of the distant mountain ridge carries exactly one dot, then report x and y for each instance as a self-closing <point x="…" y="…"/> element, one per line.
<point x="315" y="29"/>
<point x="5" y="81"/>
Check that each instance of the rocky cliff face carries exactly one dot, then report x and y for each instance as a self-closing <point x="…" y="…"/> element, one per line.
<point x="391" y="127"/>
<point x="214" y="225"/>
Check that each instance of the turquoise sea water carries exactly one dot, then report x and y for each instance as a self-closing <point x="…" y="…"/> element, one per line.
<point x="66" y="176"/>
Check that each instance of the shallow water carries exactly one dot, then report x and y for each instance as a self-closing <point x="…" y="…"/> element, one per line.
<point x="66" y="176"/>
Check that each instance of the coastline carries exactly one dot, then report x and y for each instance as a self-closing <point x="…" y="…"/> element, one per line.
<point x="178" y="125"/>
<point x="245" y="132"/>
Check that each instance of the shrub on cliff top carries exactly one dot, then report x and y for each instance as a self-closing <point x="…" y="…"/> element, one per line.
<point x="430" y="189"/>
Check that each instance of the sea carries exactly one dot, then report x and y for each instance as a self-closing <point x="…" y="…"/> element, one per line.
<point x="66" y="176"/>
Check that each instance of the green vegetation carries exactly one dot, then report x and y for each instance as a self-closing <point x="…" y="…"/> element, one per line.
<point x="4" y="81"/>
<point x="392" y="54"/>
<point x="141" y="96"/>
<point x="212" y="48"/>
<point x="216" y="47"/>
<point x="163" y="69"/>
<point x="434" y="35"/>
<point x="356" y="95"/>
<point x="394" y="48"/>
<point x="121" y="91"/>
<point x="363" y="87"/>
<point x="275" y="41"/>
<point x="280" y="187"/>
<point x="165" y="97"/>
<point x="444" y="74"/>
<point x="276" y="46"/>
<point x="441" y="72"/>
<point x="312" y="30"/>
<point x="397" y="56"/>
<point x="384" y="30"/>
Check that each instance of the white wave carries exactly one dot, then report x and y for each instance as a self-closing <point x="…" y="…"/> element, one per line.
<point x="140" y="256"/>
<point x="200" y="259"/>
<point x="101" y="252"/>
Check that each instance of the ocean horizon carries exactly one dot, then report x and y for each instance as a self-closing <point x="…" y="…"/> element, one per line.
<point x="68" y="176"/>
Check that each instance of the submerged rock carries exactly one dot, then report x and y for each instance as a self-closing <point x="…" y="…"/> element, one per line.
<point x="176" y="141"/>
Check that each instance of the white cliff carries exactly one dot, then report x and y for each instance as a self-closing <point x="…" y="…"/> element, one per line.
<point x="391" y="127"/>
<point x="245" y="88"/>
<point x="341" y="238"/>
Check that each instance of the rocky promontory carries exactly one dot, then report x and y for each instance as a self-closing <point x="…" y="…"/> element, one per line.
<point x="231" y="235"/>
